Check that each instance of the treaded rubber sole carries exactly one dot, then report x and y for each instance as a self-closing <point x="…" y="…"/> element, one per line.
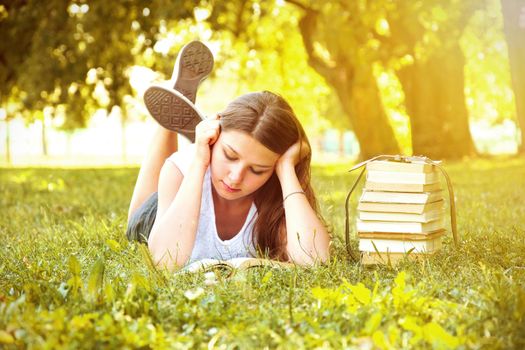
<point x="172" y="111"/>
<point x="194" y="64"/>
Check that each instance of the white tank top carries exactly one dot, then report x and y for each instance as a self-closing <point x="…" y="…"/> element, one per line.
<point x="207" y="241"/>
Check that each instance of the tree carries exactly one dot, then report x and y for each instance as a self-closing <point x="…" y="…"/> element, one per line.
<point x="74" y="56"/>
<point x="423" y="47"/>
<point x="514" y="28"/>
<point x="336" y="58"/>
<point x="346" y="66"/>
<point x="17" y="25"/>
<point x="345" y="39"/>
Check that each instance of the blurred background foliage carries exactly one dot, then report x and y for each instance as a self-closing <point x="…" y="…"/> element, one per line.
<point x="406" y="76"/>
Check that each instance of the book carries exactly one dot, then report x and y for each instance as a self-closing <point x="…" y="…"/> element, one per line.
<point x="395" y="166"/>
<point x="400" y="227"/>
<point x="400" y="208"/>
<point x="400" y="197"/>
<point x="403" y="217"/>
<point x="233" y="264"/>
<point x="398" y="246"/>
<point x="400" y="187"/>
<point x="403" y="178"/>
<point x="369" y="258"/>
<point x="403" y="235"/>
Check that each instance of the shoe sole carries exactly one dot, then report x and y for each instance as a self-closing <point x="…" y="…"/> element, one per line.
<point x="173" y="111"/>
<point x="193" y="65"/>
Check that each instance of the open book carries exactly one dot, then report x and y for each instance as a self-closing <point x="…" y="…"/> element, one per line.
<point x="232" y="264"/>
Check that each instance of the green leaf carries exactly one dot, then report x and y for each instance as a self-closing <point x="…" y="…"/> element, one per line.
<point x="373" y="323"/>
<point x="109" y="292"/>
<point x="361" y="293"/>
<point x="113" y="245"/>
<point x="380" y="340"/>
<point x="96" y="279"/>
<point x="6" y="338"/>
<point x="266" y="277"/>
<point x="410" y="323"/>
<point x="438" y="337"/>
<point x="74" y="266"/>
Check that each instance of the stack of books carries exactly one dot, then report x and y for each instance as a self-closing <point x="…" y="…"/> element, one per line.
<point x="400" y="211"/>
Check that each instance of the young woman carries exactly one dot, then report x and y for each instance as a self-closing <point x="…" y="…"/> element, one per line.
<point x="242" y="188"/>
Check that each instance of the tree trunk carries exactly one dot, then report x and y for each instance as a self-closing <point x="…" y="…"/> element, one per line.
<point x="356" y="87"/>
<point x="435" y="103"/>
<point x="514" y="28"/>
<point x="362" y="103"/>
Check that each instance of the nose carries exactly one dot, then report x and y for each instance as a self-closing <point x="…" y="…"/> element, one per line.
<point x="236" y="174"/>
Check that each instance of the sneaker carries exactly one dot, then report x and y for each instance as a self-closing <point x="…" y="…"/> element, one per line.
<point x="173" y="110"/>
<point x="194" y="63"/>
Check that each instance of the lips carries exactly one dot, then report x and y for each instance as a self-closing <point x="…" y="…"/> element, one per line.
<point x="228" y="188"/>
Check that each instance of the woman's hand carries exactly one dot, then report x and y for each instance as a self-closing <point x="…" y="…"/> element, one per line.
<point x="293" y="155"/>
<point x="206" y="134"/>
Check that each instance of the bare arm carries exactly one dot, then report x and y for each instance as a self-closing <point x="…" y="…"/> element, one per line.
<point x="308" y="239"/>
<point x="173" y="235"/>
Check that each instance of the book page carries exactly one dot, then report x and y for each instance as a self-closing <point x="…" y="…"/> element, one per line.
<point x="204" y="264"/>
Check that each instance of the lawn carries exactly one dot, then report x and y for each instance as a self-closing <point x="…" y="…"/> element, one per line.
<point x="70" y="279"/>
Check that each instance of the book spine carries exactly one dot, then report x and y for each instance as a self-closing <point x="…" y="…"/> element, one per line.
<point x="385" y="216"/>
<point x="403" y="178"/>
<point x="370" y="245"/>
<point x="398" y="187"/>
<point x="399" y="227"/>
<point x="399" y="197"/>
<point x="400" y="167"/>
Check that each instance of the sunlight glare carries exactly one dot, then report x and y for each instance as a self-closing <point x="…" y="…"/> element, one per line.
<point x="201" y="13"/>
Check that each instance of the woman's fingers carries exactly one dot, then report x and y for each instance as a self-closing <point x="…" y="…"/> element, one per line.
<point x="305" y="150"/>
<point x="297" y="152"/>
<point x="208" y="131"/>
<point x="215" y="129"/>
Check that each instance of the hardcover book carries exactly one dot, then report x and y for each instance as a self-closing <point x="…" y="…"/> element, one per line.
<point x="400" y="208"/>
<point x="399" y="246"/>
<point x="369" y="258"/>
<point x="400" y="227"/>
<point x="405" y="167"/>
<point x="402" y="178"/>
<point x="425" y="216"/>
<point x="403" y="236"/>
<point x="401" y="197"/>
<point x="400" y="187"/>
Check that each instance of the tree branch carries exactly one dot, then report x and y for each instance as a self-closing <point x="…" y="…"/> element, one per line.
<point x="300" y="5"/>
<point x="307" y="27"/>
<point x="239" y="25"/>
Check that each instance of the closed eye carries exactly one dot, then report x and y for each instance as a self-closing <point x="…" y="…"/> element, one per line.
<point x="232" y="158"/>
<point x="256" y="172"/>
<point x="229" y="157"/>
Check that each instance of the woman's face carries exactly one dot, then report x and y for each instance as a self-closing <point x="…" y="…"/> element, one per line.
<point x="240" y="164"/>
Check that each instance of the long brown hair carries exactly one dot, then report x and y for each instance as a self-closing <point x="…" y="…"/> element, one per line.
<point x="269" y="119"/>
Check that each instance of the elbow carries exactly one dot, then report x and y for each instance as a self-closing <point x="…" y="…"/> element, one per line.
<point x="310" y="258"/>
<point x="165" y="258"/>
<point x="315" y="251"/>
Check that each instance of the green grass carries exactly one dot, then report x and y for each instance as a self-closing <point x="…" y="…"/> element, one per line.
<point x="70" y="279"/>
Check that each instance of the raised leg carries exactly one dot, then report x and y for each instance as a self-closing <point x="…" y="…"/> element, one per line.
<point x="163" y="144"/>
<point x="175" y="111"/>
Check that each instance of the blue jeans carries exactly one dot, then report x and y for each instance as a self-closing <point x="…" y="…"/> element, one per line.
<point x="142" y="220"/>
